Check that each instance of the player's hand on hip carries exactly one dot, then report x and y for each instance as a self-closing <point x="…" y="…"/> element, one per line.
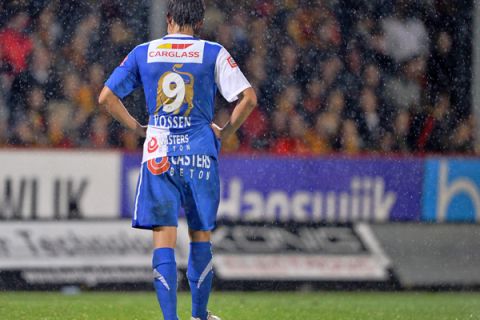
<point x="217" y="130"/>
<point x="141" y="130"/>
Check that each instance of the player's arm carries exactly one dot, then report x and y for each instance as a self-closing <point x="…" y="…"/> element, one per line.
<point x="124" y="79"/>
<point x="248" y="102"/>
<point x="116" y="108"/>
<point x="233" y="85"/>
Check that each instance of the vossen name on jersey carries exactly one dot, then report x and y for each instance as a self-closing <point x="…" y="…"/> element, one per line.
<point x="171" y="122"/>
<point x="175" y="51"/>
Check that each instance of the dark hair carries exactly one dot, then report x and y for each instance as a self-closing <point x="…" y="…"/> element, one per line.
<point x="186" y="12"/>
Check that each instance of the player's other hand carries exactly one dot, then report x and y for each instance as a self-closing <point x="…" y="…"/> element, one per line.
<point x="216" y="130"/>
<point x="222" y="132"/>
<point x="141" y="130"/>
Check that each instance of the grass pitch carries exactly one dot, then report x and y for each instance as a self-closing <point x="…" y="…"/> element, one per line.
<point x="244" y="306"/>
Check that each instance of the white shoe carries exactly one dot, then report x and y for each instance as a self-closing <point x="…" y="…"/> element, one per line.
<point x="210" y="316"/>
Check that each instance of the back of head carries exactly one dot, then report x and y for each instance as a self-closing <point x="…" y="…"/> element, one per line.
<point x="186" y="12"/>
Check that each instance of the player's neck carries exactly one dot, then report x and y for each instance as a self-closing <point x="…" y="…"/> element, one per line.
<point x="176" y="29"/>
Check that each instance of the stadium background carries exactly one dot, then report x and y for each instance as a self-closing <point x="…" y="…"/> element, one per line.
<point x="358" y="169"/>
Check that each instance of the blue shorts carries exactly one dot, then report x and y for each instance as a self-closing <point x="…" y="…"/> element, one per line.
<point x="166" y="184"/>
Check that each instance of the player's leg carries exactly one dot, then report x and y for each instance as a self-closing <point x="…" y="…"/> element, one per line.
<point x="201" y="200"/>
<point x="157" y="203"/>
<point x="165" y="270"/>
<point x="200" y="271"/>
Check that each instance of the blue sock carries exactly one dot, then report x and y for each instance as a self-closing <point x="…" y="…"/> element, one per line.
<point x="165" y="273"/>
<point x="200" y="276"/>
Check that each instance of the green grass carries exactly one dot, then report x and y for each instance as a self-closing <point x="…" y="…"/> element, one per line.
<point x="246" y="306"/>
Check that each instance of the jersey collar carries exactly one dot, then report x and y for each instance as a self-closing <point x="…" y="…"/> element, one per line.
<point x="178" y="36"/>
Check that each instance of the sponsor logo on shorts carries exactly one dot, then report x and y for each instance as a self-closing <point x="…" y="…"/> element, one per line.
<point x="152" y="145"/>
<point x="193" y="166"/>
<point x="158" y="167"/>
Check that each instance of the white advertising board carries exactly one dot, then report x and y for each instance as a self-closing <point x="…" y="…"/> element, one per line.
<point x="85" y="252"/>
<point x="59" y="184"/>
<point x="301" y="253"/>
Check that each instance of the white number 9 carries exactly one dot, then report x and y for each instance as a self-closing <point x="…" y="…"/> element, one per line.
<point x="177" y="93"/>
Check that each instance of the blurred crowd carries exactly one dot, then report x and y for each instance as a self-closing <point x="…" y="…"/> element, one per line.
<point x="54" y="59"/>
<point x="351" y="76"/>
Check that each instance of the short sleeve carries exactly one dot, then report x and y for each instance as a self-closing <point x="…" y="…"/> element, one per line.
<point x="125" y="78"/>
<point x="228" y="77"/>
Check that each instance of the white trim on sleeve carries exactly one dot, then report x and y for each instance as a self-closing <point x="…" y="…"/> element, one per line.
<point x="228" y="76"/>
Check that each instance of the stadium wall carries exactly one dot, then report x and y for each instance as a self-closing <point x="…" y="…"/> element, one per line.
<point x="283" y="221"/>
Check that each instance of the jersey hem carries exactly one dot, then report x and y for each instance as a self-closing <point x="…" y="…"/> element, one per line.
<point x="234" y="97"/>
<point x="106" y="84"/>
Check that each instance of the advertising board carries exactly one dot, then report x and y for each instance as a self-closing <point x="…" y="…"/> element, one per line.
<point x="308" y="189"/>
<point x="59" y="184"/>
<point x="426" y="255"/>
<point x="298" y="252"/>
<point x="451" y="190"/>
<point x="80" y="252"/>
<point x="129" y="176"/>
<point x="92" y="253"/>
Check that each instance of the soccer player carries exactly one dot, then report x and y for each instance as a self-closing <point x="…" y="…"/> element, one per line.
<point x="180" y="75"/>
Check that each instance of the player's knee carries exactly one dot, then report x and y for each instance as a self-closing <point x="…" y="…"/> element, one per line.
<point x="200" y="236"/>
<point x="165" y="237"/>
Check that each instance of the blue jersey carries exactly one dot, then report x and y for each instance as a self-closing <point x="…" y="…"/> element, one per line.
<point x="180" y="76"/>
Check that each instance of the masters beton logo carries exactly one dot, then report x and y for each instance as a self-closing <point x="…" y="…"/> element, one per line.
<point x="152" y="145"/>
<point x="158" y="166"/>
